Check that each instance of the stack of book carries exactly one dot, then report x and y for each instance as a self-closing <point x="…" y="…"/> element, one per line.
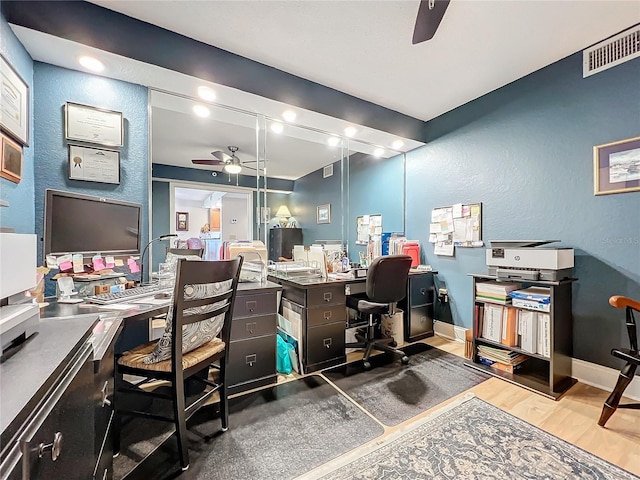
<point x="495" y="292"/>
<point x="504" y="360"/>
<point x="533" y="298"/>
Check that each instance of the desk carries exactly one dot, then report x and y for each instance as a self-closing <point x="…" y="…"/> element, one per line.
<point x="321" y="306"/>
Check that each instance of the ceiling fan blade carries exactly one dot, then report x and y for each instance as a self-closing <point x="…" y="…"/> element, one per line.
<point x="221" y="156"/>
<point x="207" y="162"/>
<point x="428" y="19"/>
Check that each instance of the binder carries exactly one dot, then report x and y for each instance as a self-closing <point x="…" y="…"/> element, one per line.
<point x="544" y="335"/>
<point x="529" y="337"/>
<point x="509" y="336"/>
<point x="492" y="322"/>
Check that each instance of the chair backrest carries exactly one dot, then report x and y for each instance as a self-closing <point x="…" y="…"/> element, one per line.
<point x="203" y="291"/>
<point x="387" y="278"/>
<point x="186" y="251"/>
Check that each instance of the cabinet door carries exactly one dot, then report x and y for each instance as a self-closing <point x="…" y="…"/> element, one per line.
<point x="251" y="359"/>
<point x="420" y="320"/>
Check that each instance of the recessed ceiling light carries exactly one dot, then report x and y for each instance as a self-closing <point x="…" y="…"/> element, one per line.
<point x="378" y="152"/>
<point x="289" y="115"/>
<point x="350" y="131"/>
<point x="91" y="63"/>
<point x="333" y="141"/>
<point x="201" y="111"/>
<point x="206" y="93"/>
<point x="397" y="144"/>
<point x="277" y="127"/>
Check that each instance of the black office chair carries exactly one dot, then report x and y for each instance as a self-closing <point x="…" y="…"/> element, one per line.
<point x="386" y="285"/>
<point x="201" y="312"/>
<point x="630" y="355"/>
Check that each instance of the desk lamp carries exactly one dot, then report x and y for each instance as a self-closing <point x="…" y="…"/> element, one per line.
<point x="160" y="238"/>
<point x="283" y="214"/>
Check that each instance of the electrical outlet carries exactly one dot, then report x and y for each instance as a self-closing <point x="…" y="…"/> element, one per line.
<point x="234" y="220"/>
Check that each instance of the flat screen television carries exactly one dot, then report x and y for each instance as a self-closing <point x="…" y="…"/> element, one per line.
<point x="75" y="223"/>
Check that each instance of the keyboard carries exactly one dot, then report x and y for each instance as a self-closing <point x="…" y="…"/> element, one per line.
<point x="125" y="295"/>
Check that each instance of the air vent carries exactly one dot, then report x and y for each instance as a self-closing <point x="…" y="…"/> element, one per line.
<point x="611" y="52"/>
<point x="327" y="171"/>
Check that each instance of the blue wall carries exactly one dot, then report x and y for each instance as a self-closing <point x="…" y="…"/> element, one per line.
<point x="54" y="86"/>
<point x="526" y="152"/>
<point x="20" y="214"/>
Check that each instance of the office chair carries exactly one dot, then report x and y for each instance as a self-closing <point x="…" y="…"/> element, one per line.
<point x="386" y="285"/>
<point x="197" y="334"/>
<point x="629" y="355"/>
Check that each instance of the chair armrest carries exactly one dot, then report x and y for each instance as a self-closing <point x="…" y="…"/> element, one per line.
<point x="619" y="301"/>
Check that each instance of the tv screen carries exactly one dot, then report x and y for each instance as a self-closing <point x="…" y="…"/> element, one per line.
<point x="77" y="223"/>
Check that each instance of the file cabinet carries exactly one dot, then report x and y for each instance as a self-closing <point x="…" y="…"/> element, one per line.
<point x="418" y="307"/>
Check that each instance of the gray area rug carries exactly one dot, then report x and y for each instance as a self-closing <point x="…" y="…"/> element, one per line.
<point x="393" y="392"/>
<point x="280" y="432"/>
<point x="472" y="440"/>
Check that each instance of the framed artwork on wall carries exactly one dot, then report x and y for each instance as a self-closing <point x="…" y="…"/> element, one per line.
<point x="94" y="164"/>
<point x="182" y="221"/>
<point x="11" y="163"/>
<point x="14" y="98"/>
<point x="323" y="213"/>
<point x="616" y="167"/>
<point x="84" y="123"/>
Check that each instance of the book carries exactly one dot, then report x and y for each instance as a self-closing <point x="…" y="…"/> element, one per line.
<point x="529" y="333"/>
<point x="531" y="305"/>
<point x="492" y="322"/>
<point x="479" y="314"/>
<point x="509" y="335"/>
<point x="502" y="288"/>
<point x="535" y="294"/>
<point x="501" y="366"/>
<point x="543" y="344"/>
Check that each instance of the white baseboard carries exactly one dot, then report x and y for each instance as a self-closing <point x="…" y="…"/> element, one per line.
<point x="449" y="331"/>
<point x="602" y="377"/>
<point x="589" y="373"/>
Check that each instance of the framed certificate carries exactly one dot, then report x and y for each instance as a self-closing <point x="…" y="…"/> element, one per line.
<point x="14" y="103"/>
<point x="94" y="164"/>
<point x="93" y="125"/>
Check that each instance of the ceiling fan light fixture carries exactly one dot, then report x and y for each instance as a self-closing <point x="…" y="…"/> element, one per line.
<point x="201" y="111"/>
<point x="289" y="116"/>
<point x="206" y="93"/>
<point x="232" y="168"/>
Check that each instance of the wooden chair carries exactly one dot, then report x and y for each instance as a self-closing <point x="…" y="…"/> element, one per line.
<point x="629" y="355"/>
<point x="203" y="291"/>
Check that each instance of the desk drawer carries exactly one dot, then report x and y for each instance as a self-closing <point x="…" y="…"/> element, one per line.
<point x="420" y="289"/>
<point x="326" y="314"/>
<point x="249" y="305"/>
<point x="333" y="295"/>
<point x="325" y="342"/>
<point x="251" y="327"/>
<point x="251" y="359"/>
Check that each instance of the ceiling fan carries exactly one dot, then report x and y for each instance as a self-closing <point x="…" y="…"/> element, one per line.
<point x="430" y="15"/>
<point x="231" y="163"/>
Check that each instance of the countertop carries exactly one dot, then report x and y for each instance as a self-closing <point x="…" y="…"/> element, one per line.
<point x="27" y="375"/>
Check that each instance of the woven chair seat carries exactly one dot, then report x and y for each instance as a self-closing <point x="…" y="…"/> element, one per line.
<point x="135" y="358"/>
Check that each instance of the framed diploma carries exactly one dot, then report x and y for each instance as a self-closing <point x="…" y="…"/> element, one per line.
<point x="93" y="125"/>
<point x="14" y="103"/>
<point x="94" y="164"/>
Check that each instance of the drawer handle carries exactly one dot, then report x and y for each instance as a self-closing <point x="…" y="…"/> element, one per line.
<point x="105" y="401"/>
<point x="327" y="342"/>
<point x="251" y="327"/>
<point x="328" y="296"/>
<point x="55" y="447"/>
<point x="423" y="319"/>
<point x="251" y="305"/>
<point x="327" y="315"/>
<point x="250" y="359"/>
<point x="423" y="291"/>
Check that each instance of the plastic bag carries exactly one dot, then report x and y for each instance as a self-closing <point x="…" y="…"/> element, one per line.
<point x="283" y="361"/>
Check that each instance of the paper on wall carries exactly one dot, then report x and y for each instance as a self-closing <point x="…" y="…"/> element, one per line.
<point x="457" y="210"/>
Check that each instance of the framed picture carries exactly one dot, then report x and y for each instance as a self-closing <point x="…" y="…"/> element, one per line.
<point x="14" y="103"/>
<point x="182" y="221"/>
<point x="94" y="164"/>
<point x="93" y="125"/>
<point x="617" y="167"/>
<point x="323" y="213"/>
<point x="11" y="163"/>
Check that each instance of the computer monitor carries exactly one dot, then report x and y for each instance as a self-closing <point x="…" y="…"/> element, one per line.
<point x="75" y="223"/>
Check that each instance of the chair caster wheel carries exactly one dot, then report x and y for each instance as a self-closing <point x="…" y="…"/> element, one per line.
<point x="366" y="365"/>
<point x="224" y="429"/>
<point x="184" y="469"/>
<point x="405" y="360"/>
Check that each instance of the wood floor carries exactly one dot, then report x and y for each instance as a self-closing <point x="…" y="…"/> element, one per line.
<point x="573" y="418"/>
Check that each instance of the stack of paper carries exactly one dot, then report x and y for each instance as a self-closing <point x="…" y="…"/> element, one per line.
<point x="496" y="292"/>
<point x="504" y="360"/>
<point x="534" y="298"/>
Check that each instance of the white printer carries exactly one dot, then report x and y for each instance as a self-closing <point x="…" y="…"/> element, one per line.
<point x="527" y="260"/>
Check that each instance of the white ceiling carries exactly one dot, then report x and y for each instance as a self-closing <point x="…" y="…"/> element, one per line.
<point x="364" y="47"/>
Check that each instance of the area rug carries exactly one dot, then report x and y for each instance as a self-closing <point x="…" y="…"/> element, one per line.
<point x="393" y="392"/>
<point x="280" y="432"/>
<point x="470" y="439"/>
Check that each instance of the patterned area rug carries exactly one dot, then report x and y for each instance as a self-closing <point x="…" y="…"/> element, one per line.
<point x="470" y="439"/>
<point x="393" y="392"/>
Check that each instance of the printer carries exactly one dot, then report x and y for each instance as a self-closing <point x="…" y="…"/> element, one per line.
<point x="529" y="260"/>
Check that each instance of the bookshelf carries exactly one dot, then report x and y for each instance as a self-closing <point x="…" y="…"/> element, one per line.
<point x="548" y="375"/>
